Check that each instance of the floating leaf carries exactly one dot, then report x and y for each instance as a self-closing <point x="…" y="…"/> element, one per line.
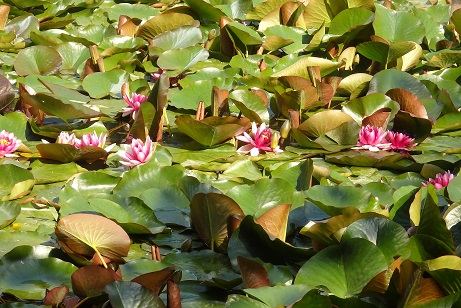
<point x="15" y="182"/>
<point x="8" y="212"/>
<point x="30" y="278"/>
<point x="262" y="196"/>
<point x="279" y="295"/>
<point x="341" y="268"/>
<point x="161" y="23"/>
<point x="41" y="60"/>
<point x="181" y="37"/>
<point x="212" y="130"/>
<point x="182" y="59"/>
<point x="251" y="105"/>
<point x="131" y="294"/>
<point x="393" y="25"/>
<point x="391" y="238"/>
<point x="100" y="84"/>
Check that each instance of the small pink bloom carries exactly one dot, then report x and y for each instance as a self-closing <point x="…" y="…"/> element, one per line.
<point x="440" y="181"/>
<point x="134" y="103"/>
<point x="400" y="141"/>
<point x="93" y="140"/>
<point x="259" y="141"/>
<point x="372" y="138"/>
<point x="65" y="138"/>
<point x="8" y="144"/>
<point x="137" y="153"/>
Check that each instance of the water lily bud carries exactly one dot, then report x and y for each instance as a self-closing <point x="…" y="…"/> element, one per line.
<point x="275" y="139"/>
<point x="285" y="129"/>
<point x="211" y="34"/>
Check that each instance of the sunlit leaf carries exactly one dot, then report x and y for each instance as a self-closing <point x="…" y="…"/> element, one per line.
<point x="212" y="130"/>
<point x="340" y="268"/>
<point x="42" y="60"/>
<point x="85" y="234"/>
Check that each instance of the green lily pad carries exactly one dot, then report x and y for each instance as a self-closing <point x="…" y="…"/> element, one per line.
<point x="393" y="25"/>
<point x="15" y="182"/>
<point x="30" y="278"/>
<point x="340" y="269"/>
<point x="37" y="60"/>
<point x="212" y="130"/>
<point x="99" y="84"/>
<point x="391" y="238"/>
<point x="182" y="59"/>
<point x="9" y="211"/>
<point x="132" y="294"/>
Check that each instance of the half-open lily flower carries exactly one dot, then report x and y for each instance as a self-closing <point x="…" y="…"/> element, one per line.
<point x="134" y="103"/>
<point x="65" y="138"/>
<point x="8" y="144"/>
<point x="260" y="140"/>
<point x="440" y="181"/>
<point x="400" y="141"/>
<point x="137" y="153"/>
<point x="93" y="140"/>
<point x="372" y="138"/>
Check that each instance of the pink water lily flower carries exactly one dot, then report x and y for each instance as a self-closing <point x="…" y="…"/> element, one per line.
<point x="372" y="138"/>
<point x="137" y="153"/>
<point x="93" y="140"/>
<point x="440" y="181"/>
<point x="8" y="144"/>
<point x="66" y="138"/>
<point x="134" y="103"/>
<point x="260" y="140"/>
<point x="400" y="141"/>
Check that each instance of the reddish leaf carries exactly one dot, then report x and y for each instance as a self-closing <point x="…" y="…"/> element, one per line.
<point x="254" y="275"/>
<point x="275" y="220"/>
<point x="90" y="280"/>
<point x="155" y="281"/>
<point x="85" y="234"/>
<point x="174" y="295"/>
<point x="408" y="102"/>
<point x="55" y="296"/>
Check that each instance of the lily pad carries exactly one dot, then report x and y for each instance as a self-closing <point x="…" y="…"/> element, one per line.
<point x="212" y="130"/>
<point x="343" y="267"/>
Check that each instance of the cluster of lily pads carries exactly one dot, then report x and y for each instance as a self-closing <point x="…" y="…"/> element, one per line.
<point x="230" y="153"/>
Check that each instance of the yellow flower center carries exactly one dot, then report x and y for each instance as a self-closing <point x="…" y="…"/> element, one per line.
<point x="5" y="142"/>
